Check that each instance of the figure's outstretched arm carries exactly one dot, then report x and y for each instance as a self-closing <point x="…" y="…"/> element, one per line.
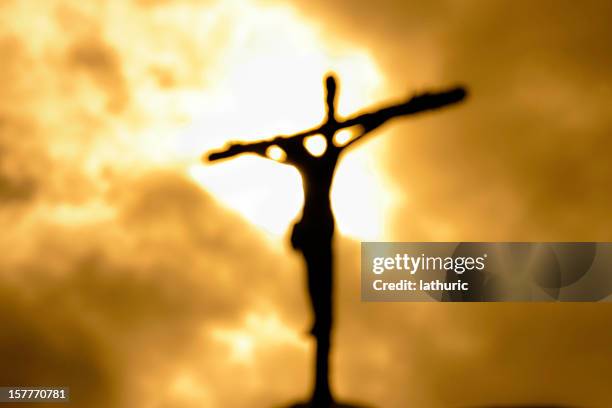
<point x="418" y="103"/>
<point x="235" y="148"/>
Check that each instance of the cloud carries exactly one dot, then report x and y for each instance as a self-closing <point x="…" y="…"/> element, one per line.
<point x="114" y="307"/>
<point x="17" y="171"/>
<point x="99" y="61"/>
<point x="527" y="143"/>
<point x="119" y="270"/>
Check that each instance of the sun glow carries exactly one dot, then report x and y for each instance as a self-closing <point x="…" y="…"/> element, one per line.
<point x="316" y="145"/>
<point x="221" y="71"/>
<point x="342" y="137"/>
<point x="269" y="81"/>
<point x="276" y="153"/>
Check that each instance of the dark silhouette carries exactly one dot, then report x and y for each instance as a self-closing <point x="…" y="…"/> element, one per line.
<point x="312" y="234"/>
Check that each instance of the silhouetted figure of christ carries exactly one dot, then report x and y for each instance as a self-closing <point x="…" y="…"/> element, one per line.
<point x="312" y="234"/>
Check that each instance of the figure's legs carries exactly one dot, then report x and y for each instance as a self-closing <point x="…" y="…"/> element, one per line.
<point x="320" y="285"/>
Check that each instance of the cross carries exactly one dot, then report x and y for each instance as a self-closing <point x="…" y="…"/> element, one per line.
<point x="312" y="233"/>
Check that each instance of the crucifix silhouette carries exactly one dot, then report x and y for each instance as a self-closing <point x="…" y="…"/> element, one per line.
<point x="312" y="234"/>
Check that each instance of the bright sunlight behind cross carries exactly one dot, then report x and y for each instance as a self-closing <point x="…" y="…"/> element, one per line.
<point x="268" y="81"/>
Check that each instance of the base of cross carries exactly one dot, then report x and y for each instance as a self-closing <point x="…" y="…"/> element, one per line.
<point x="332" y="405"/>
<point x="345" y="405"/>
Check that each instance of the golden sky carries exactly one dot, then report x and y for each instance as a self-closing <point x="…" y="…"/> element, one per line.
<point x="140" y="277"/>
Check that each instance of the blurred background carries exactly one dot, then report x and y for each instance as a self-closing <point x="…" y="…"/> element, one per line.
<point x="139" y="276"/>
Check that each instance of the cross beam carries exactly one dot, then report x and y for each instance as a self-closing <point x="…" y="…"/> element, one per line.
<point x="368" y="121"/>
